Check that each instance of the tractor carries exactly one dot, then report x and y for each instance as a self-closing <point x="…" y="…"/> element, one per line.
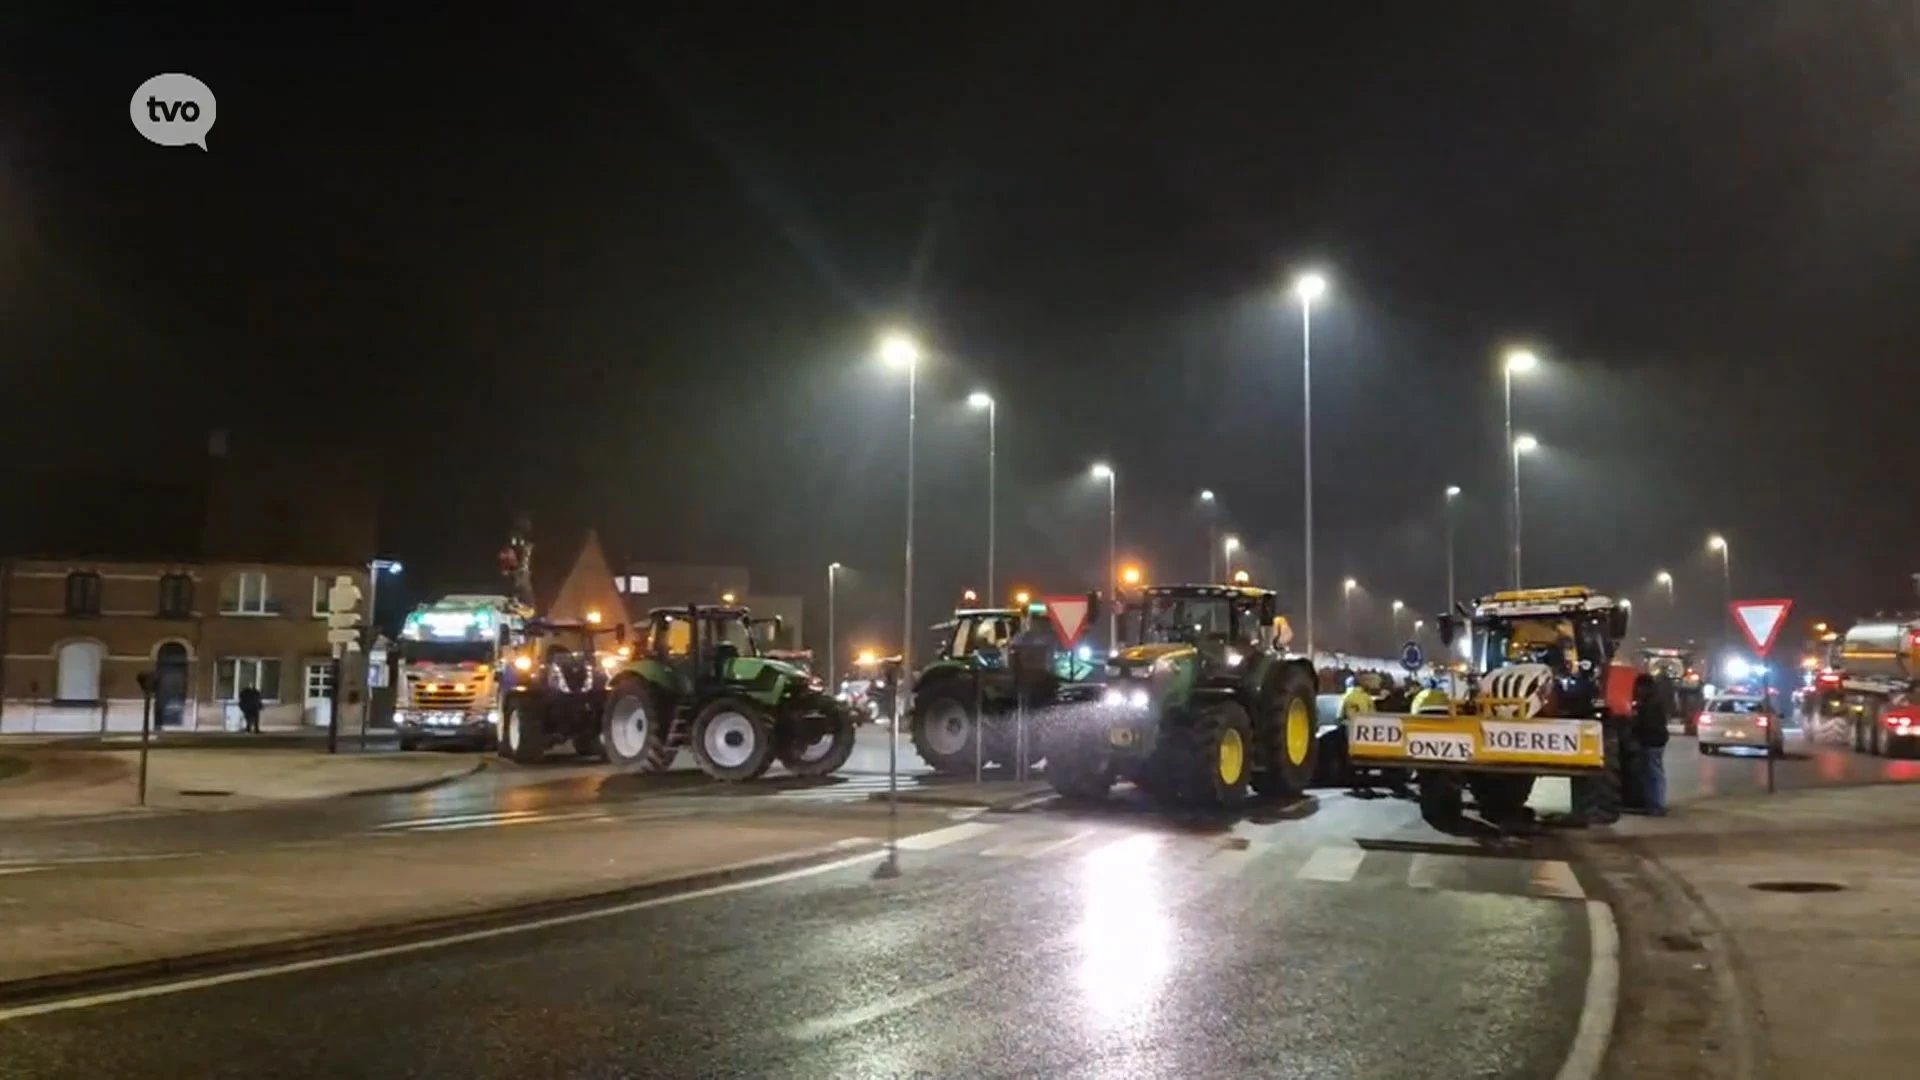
<point x="1201" y="703"/>
<point x="966" y="702"/>
<point x="1676" y="673"/>
<point x="702" y="682"/>
<point x="554" y="690"/>
<point x="1548" y="699"/>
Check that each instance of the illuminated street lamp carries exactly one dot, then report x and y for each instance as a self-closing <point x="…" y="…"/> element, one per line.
<point x="1102" y="471"/>
<point x="1518" y="362"/>
<point x="1718" y="543"/>
<point x="969" y="596"/>
<point x="1241" y="577"/>
<point x="1213" y="534"/>
<point x="1522" y="445"/>
<point x="980" y="399"/>
<point x="1308" y="289"/>
<point x="833" y="644"/>
<point x="901" y="352"/>
<point x="1453" y="492"/>
<point x="1347" y="588"/>
<point x="1230" y="545"/>
<point x="1130" y="576"/>
<point x="1394" y="618"/>
<point x="1023" y="598"/>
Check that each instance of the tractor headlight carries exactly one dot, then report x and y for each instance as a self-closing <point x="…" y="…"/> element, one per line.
<point x="1234" y="656"/>
<point x="1115" y="697"/>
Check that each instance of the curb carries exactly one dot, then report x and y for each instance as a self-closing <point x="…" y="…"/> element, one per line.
<point x="420" y="785"/>
<point x="1008" y="802"/>
<point x="37" y="988"/>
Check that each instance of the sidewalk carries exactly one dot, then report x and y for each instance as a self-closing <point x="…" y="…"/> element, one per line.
<point x="73" y="783"/>
<point x="63" y="920"/>
<point x="1826" y="965"/>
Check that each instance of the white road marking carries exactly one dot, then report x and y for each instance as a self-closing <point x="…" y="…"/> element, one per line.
<point x="115" y="997"/>
<point x="834" y="1023"/>
<point x="582" y="815"/>
<point x="448" y="819"/>
<point x="4" y="870"/>
<point x="1335" y="864"/>
<point x="1035" y="848"/>
<point x="1556" y="879"/>
<point x="1423" y="870"/>
<point x="952" y="834"/>
<point x="1589" y="1049"/>
<point x="1229" y="862"/>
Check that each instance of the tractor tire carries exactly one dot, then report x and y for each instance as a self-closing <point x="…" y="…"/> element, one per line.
<point x="1213" y="757"/>
<point x="945" y="731"/>
<point x="633" y="730"/>
<point x="1597" y="799"/>
<point x="733" y="739"/>
<point x="523" y="738"/>
<point x="1286" y="743"/>
<point x="823" y="756"/>
<point x="1502" y="799"/>
<point x="1441" y="799"/>
<point x="1077" y="764"/>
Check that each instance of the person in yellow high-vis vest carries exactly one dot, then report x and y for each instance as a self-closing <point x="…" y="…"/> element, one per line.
<point x="1432" y="699"/>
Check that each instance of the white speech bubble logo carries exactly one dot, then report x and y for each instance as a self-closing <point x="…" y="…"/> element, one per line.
<point x="173" y="110"/>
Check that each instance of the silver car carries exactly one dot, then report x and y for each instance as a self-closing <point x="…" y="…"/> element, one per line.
<point x="1746" y="720"/>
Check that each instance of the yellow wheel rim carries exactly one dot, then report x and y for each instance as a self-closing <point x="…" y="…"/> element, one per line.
<point x="1299" y="731"/>
<point x="1233" y="757"/>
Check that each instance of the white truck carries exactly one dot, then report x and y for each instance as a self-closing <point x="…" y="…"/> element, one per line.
<point x="1878" y="676"/>
<point x="451" y="650"/>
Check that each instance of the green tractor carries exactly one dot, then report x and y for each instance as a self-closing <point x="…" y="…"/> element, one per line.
<point x="966" y="702"/>
<point x="1201" y="704"/>
<point x="554" y="690"/>
<point x="702" y="682"/>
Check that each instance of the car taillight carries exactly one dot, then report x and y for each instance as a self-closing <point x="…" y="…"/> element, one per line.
<point x="1706" y="719"/>
<point x="1760" y="721"/>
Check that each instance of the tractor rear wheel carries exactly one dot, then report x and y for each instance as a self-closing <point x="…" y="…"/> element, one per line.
<point x="633" y="731"/>
<point x="732" y="739"/>
<point x="1214" y="756"/>
<point x="1441" y="799"/>
<point x="946" y="733"/>
<point x="1502" y="799"/>
<point x="524" y="738"/>
<point x="1287" y="738"/>
<point x="825" y="753"/>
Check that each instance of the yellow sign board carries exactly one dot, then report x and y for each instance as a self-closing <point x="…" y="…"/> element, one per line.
<point x="1464" y="742"/>
<point x="1569" y="593"/>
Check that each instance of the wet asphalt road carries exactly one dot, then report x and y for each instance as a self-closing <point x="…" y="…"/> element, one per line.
<point x="1106" y="944"/>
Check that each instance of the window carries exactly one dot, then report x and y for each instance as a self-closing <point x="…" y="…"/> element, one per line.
<point x="78" y="671"/>
<point x="319" y="679"/>
<point x="245" y="593"/>
<point x="632" y="585"/>
<point x="176" y="596"/>
<point x="83" y="593"/>
<point x="321" y="587"/>
<point x="233" y="674"/>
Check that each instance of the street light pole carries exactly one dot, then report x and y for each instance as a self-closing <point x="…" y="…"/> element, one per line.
<point x="374" y="569"/>
<point x="1228" y="546"/>
<point x="900" y="351"/>
<point x="982" y="400"/>
<point x="1213" y="536"/>
<point x="1518" y="362"/>
<point x="1308" y="288"/>
<point x="1346" y="601"/>
<point x="1718" y="543"/>
<point x="833" y="641"/>
<point x="1453" y="492"/>
<point x="1522" y="444"/>
<point x="1103" y="471"/>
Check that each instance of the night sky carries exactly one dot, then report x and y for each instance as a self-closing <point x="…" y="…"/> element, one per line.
<point x="626" y="270"/>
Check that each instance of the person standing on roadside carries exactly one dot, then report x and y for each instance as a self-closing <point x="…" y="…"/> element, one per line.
<point x="250" y="703"/>
<point x="1650" y="726"/>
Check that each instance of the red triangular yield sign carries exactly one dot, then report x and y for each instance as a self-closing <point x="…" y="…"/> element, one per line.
<point x="1761" y="621"/>
<point x="1069" y="616"/>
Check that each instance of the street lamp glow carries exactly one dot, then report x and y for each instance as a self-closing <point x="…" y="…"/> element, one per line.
<point x="1453" y="491"/>
<point x="1350" y="584"/>
<point x="980" y="399"/>
<point x="969" y="596"/>
<point x="1417" y="624"/>
<point x="1627" y="604"/>
<point x="835" y="567"/>
<point x="1663" y="578"/>
<point x="1241" y="577"/>
<point x="1716" y="542"/>
<point x="1231" y="544"/>
<point x="1398" y="607"/>
<point x="1130" y="576"/>
<point x="1525" y="444"/>
<point x="726" y="598"/>
<point x="1023" y="598"/>
<point x="1309" y="287"/>
<point x="1206" y="496"/>
<point x="1521" y="361"/>
<point x="1102" y="471"/>
<point x="898" y="350"/>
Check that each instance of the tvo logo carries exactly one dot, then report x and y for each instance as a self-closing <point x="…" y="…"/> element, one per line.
<point x="173" y="110"/>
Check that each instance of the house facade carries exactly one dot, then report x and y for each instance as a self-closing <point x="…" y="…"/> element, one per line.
<point x="76" y="634"/>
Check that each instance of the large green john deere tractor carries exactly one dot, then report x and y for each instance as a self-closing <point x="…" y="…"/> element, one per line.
<point x="702" y="682"/>
<point x="1202" y="703"/>
<point x="966" y="701"/>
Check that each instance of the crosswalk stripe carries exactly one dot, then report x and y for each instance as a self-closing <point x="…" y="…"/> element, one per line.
<point x="543" y="819"/>
<point x="1334" y="864"/>
<point x="1552" y="877"/>
<point x="448" y="819"/>
<point x="1036" y="848"/>
<point x="1425" y="871"/>
<point x="952" y="834"/>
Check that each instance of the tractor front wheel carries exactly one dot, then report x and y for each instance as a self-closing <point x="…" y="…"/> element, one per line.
<point x="1214" y="757"/>
<point x="946" y="733"/>
<point x="1077" y="761"/>
<point x="733" y="739"/>
<point x="817" y="753"/>
<point x="633" y="731"/>
<point x="524" y="739"/>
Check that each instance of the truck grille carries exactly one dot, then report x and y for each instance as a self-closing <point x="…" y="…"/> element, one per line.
<point x="444" y="697"/>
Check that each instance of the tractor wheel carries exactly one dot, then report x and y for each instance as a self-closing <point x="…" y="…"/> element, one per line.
<point x="1287" y="739"/>
<point x="821" y="756"/>
<point x="946" y="734"/>
<point x="1502" y="799"/>
<point x="732" y="739"/>
<point x="1440" y="799"/>
<point x="524" y="739"/>
<point x="1597" y="798"/>
<point x="1214" y="756"/>
<point x="633" y="731"/>
<point x="1077" y="765"/>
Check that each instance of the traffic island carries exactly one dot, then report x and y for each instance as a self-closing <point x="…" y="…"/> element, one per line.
<point x="88" y="926"/>
<point x="1003" y="795"/>
<point x="1768" y="935"/>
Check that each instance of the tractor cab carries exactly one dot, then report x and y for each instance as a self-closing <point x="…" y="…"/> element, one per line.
<point x="982" y="636"/>
<point x="1572" y="633"/>
<point x="569" y="658"/>
<point x="1223" y="623"/>
<point x="702" y="642"/>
